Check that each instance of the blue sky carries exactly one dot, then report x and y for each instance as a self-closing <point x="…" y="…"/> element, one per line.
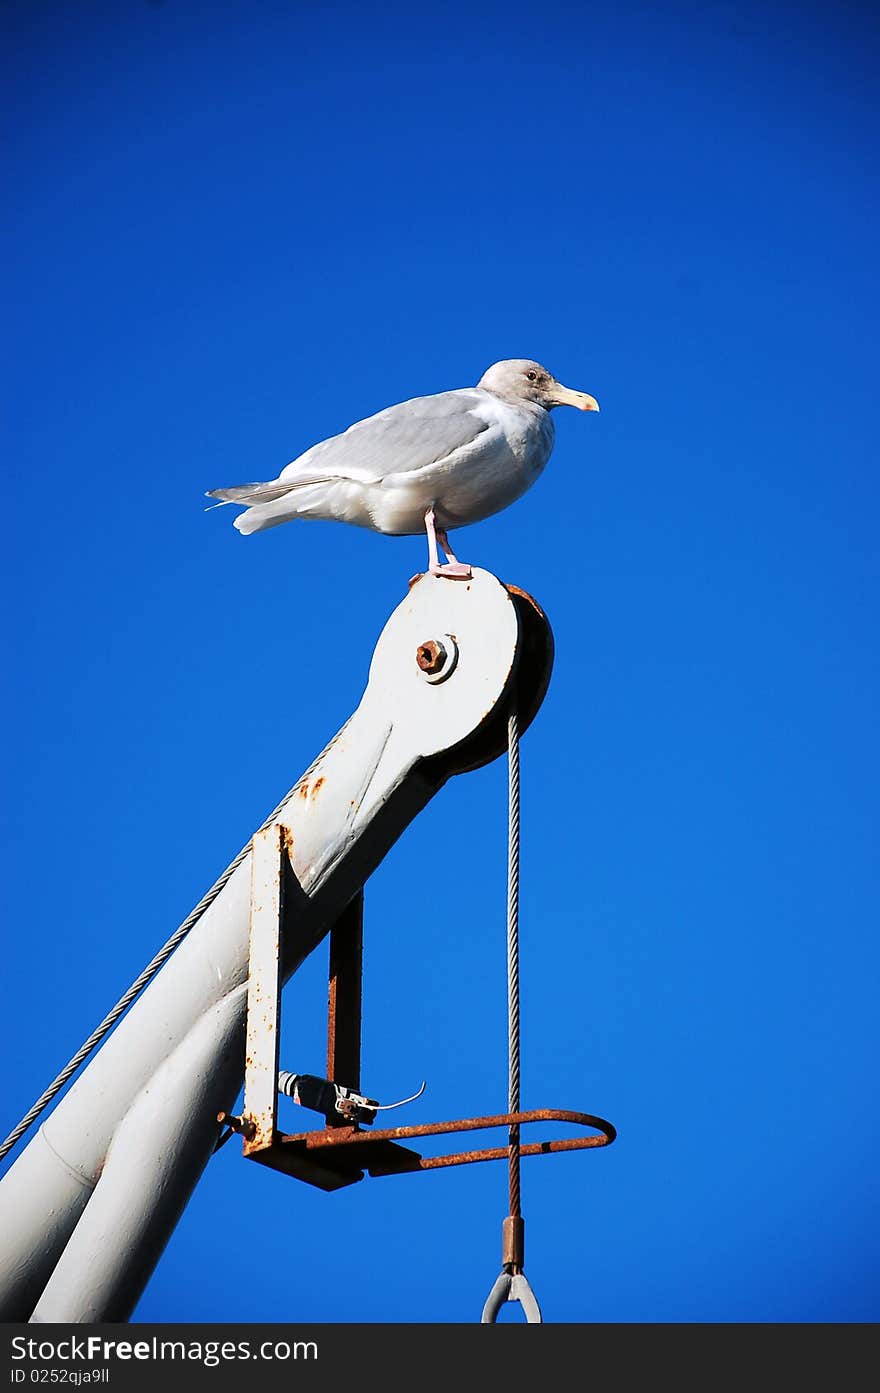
<point x="235" y="229"/>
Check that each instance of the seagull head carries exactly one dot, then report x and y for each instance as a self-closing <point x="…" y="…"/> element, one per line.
<point x="520" y="379"/>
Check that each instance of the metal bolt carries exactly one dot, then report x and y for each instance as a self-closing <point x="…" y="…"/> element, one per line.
<point x="436" y="658"/>
<point x="430" y="656"/>
<point x="237" y="1124"/>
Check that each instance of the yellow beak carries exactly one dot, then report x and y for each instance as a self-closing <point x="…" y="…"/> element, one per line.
<point x="564" y="396"/>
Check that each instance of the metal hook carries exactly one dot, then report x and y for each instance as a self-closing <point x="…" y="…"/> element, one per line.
<point x="512" y="1286"/>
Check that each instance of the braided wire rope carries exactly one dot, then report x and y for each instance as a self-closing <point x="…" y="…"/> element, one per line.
<point x="512" y="1283"/>
<point x="513" y="1027"/>
<point x="149" y="972"/>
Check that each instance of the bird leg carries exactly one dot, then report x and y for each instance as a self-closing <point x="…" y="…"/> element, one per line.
<point x="450" y="556"/>
<point x="455" y="569"/>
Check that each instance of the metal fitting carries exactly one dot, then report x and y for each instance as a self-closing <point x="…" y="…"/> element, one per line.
<point x="436" y="658"/>
<point x="243" y="1125"/>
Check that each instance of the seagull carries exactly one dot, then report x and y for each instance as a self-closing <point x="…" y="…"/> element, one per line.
<point x="430" y="464"/>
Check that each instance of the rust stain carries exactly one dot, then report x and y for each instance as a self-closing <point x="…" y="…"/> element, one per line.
<point x="317" y="786"/>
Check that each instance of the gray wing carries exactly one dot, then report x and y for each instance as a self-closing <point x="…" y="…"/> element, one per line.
<point x="399" y="440"/>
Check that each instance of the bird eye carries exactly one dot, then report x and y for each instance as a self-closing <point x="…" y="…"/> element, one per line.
<point x="532" y="376"/>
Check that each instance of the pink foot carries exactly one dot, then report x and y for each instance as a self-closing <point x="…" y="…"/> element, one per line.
<point x="454" y="570"/>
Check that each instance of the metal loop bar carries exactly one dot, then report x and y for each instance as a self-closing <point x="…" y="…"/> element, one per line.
<point x="342" y="1137"/>
<point x="345" y="1150"/>
<point x="512" y="1286"/>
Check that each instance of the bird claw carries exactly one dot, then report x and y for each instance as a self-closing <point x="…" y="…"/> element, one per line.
<point x="453" y="570"/>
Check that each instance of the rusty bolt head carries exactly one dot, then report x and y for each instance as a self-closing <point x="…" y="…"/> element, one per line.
<point x="437" y="658"/>
<point x="431" y="656"/>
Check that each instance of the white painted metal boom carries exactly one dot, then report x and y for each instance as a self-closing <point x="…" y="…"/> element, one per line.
<point x="88" y="1206"/>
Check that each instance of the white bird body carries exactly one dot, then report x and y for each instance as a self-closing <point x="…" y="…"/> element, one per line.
<point x="439" y="461"/>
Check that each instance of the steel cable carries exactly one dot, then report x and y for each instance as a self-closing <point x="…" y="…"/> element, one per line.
<point x="147" y="975"/>
<point x="513" y="1030"/>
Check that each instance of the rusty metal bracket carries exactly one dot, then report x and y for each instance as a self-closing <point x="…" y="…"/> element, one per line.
<point x="339" y="1154"/>
<point x="346" y="1152"/>
<point x="360" y="1143"/>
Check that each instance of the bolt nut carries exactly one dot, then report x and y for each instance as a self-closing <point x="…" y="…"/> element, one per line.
<point x="430" y="656"/>
<point x="436" y="658"/>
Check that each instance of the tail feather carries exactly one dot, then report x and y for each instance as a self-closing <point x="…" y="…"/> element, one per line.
<point x="268" y="505"/>
<point x="259" y="519"/>
<point x="251" y="493"/>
